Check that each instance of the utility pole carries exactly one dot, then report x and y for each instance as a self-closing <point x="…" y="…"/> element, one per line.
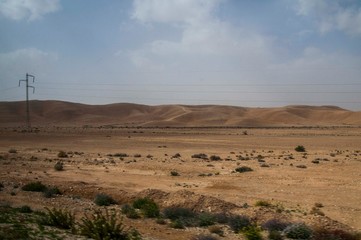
<point x="27" y="97"/>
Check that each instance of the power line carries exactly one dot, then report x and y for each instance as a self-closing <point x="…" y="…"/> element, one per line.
<point x="27" y="86"/>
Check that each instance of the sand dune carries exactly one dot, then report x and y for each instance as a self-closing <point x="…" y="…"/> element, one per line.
<point x="67" y="113"/>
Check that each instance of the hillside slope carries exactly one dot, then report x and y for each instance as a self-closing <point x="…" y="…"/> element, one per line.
<point x="66" y="113"/>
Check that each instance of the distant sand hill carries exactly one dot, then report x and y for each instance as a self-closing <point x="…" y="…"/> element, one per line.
<point x="67" y="113"/>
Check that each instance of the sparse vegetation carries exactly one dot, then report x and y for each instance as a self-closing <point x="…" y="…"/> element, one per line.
<point x="103" y="199"/>
<point x="200" y="156"/>
<point x="12" y="150"/>
<point x="34" y="187"/>
<point x="215" y="158"/>
<point x="58" y="218"/>
<point x="237" y="223"/>
<point x="101" y="226"/>
<point x="147" y="206"/>
<point x="298" y="231"/>
<point x="174" y="173"/>
<point x="50" y="192"/>
<point x="252" y="232"/>
<point x="243" y="169"/>
<point x="274" y="224"/>
<point x="59" y="166"/>
<point x="300" y="148"/>
<point x="62" y="154"/>
<point x="263" y="203"/>
<point x="130" y="211"/>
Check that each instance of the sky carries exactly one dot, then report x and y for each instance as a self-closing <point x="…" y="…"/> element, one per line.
<point x="226" y="52"/>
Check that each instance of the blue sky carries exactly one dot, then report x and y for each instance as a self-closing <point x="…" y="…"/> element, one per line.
<point x="232" y="52"/>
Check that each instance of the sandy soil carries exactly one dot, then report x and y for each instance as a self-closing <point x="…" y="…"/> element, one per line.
<point x="91" y="168"/>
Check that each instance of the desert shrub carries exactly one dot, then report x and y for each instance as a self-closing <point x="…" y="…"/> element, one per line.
<point x="298" y="231"/>
<point x="203" y="237"/>
<point x="221" y="218"/>
<point x="177" y="224"/>
<point x="263" y="203"/>
<point x="149" y="156"/>
<point x="216" y="230"/>
<point x="174" y="173"/>
<point x="200" y="155"/>
<point x="34" y="187"/>
<point x="1" y="186"/>
<point x="25" y="209"/>
<point x="237" y="223"/>
<point x="243" y="169"/>
<point x="206" y="219"/>
<point x="317" y="211"/>
<point x="137" y="155"/>
<point x="275" y="235"/>
<point x="161" y="221"/>
<point x="58" y="218"/>
<point x="318" y="205"/>
<point x="300" y="148"/>
<point x="106" y="225"/>
<point x="215" y="158"/>
<point x="335" y="234"/>
<point x="130" y="212"/>
<point x="252" y="233"/>
<point x="274" y="224"/>
<point x="103" y="199"/>
<point x="59" y="166"/>
<point x="174" y="213"/>
<point x="177" y="155"/>
<point x="301" y="166"/>
<point x="147" y="206"/>
<point x="121" y="155"/>
<point x="12" y="150"/>
<point x="50" y="192"/>
<point x="62" y="154"/>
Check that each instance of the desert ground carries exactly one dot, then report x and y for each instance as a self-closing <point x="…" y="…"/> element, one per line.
<point x="327" y="174"/>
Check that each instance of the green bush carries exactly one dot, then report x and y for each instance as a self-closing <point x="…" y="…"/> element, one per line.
<point x="243" y="169"/>
<point x="101" y="226"/>
<point x="103" y="199"/>
<point x="177" y="224"/>
<point x="147" y="206"/>
<point x="206" y="219"/>
<point x="298" y="231"/>
<point x="58" y="218"/>
<point x="130" y="212"/>
<point x="300" y="148"/>
<point x="34" y="187"/>
<point x="252" y="233"/>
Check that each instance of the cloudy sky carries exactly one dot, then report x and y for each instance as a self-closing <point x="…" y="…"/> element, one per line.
<point x="233" y="52"/>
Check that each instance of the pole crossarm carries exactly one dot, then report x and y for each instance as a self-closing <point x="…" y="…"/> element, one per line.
<point x="27" y="96"/>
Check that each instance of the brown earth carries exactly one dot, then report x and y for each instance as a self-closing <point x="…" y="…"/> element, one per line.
<point x="261" y="138"/>
<point x="328" y="173"/>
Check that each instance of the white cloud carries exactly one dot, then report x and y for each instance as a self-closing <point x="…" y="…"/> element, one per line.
<point x="204" y="40"/>
<point x="31" y="60"/>
<point x="166" y="11"/>
<point x="28" y="9"/>
<point x="333" y="15"/>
